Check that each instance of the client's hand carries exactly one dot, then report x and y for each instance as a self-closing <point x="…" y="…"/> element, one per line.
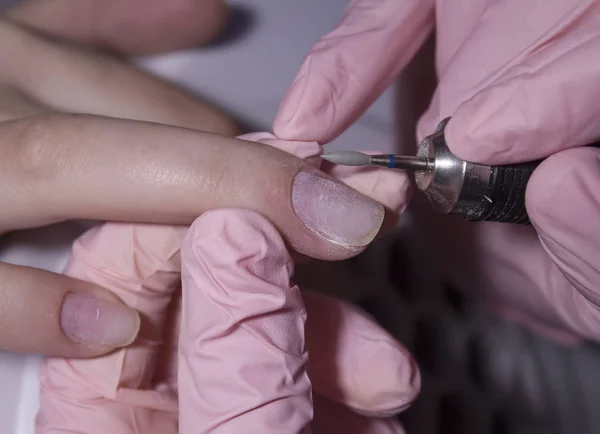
<point x="230" y="356"/>
<point x="129" y="27"/>
<point x="83" y="135"/>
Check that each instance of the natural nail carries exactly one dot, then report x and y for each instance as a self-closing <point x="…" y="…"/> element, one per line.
<point x="95" y="322"/>
<point x="336" y="212"/>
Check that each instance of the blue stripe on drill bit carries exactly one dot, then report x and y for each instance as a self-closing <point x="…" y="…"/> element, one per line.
<point x="392" y="162"/>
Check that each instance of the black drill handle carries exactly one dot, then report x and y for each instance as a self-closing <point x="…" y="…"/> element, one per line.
<point x="506" y="193"/>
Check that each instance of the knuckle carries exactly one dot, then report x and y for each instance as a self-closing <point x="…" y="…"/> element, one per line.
<point x="216" y="182"/>
<point x="36" y="155"/>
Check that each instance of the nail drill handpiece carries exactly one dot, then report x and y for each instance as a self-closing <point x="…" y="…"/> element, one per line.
<point x="475" y="192"/>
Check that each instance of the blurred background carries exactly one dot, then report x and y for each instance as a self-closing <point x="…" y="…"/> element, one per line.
<point x="481" y="375"/>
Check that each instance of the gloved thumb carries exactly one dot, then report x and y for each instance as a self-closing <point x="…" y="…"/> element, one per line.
<point x="563" y="202"/>
<point x="546" y="102"/>
<point x="349" y="68"/>
<point x="242" y="354"/>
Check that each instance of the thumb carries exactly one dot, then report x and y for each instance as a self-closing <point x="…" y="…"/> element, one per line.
<point x="242" y="354"/>
<point x="347" y="70"/>
<point x="546" y="102"/>
<point x="563" y="202"/>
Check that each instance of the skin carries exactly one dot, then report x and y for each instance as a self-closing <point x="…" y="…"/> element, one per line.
<point x="131" y="27"/>
<point x="165" y="148"/>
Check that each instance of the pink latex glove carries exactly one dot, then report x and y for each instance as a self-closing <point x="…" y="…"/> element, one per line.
<point x="521" y="81"/>
<point x="231" y="355"/>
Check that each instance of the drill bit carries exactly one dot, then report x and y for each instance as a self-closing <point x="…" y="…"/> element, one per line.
<point x="391" y="161"/>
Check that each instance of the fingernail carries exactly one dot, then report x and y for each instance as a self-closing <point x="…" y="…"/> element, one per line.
<point x="334" y="211"/>
<point x="95" y="322"/>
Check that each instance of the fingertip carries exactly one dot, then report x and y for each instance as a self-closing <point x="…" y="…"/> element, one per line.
<point x="493" y="127"/>
<point x="562" y="191"/>
<point x="457" y="136"/>
<point x="542" y="194"/>
<point x="55" y="315"/>
<point x="258" y="136"/>
<point x="135" y="328"/>
<point x="309" y="111"/>
<point x="335" y="212"/>
<point x="168" y="26"/>
<point x="397" y="383"/>
<point x="284" y="126"/>
<point x="563" y="203"/>
<point x="347" y="69"/>
<point x="306" y="150"/>
<point x="374" y="373"/>
<point x="466" y="141"/>
<point x="309" y="151"/>
<point x="328" y="220"/>
<point x="219" y="13"/>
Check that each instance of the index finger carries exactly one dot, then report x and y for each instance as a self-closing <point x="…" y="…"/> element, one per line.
<point x="58" y="167"/>
<point x="136" y="27"/>
<point x="349" y="68"/>
<point x="242" y="355"/>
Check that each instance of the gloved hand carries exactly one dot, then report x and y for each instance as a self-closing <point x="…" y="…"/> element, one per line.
<point x="521" y="81"/>
<point x="230" y="356"/>
<point x="85" y="135"/>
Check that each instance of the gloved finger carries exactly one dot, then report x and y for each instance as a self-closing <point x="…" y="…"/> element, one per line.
<point x="136" y="27"/>
<point x="51" y="314"/>
<point x="59" y="167"/>
<point x="355" y="362"/>
<point x="68" y="79"/>
<point x="118" y="392"/>
<point x="564" y="204"/>
<point x="308" y="151"/>
<point x="242" y="355"/>
<point x="473" y="48"/>
<point x="391" y="188"/>
<point x="331" y="417"/>
<point x="544" y="99"/>
<point x="351" y="66"/>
